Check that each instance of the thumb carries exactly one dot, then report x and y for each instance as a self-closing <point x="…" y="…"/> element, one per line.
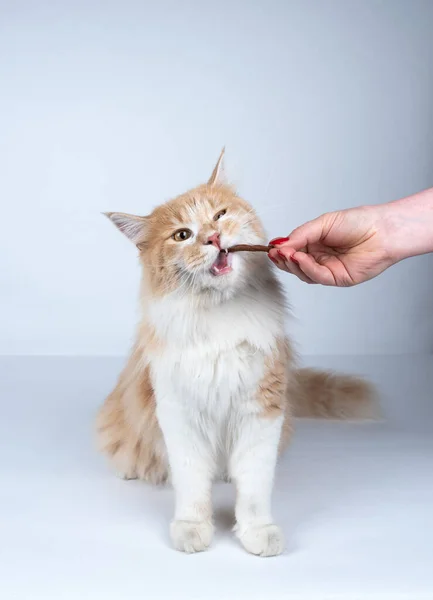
<point x="309" y="233"/>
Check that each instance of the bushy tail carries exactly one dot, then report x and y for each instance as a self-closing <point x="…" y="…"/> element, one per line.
<point x="323" y="395"/>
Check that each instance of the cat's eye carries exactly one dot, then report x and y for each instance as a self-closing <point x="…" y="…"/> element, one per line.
<point x="181" y="235"/>
<point x="219" y="214"/>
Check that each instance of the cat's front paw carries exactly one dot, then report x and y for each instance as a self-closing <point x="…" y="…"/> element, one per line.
<point x="190" y="536"/>
<point x="126" y="476"/>
<point x="262" y="540"/>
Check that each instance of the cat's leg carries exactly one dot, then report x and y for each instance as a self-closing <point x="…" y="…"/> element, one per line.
<point x="127" y="427"/>
<point x="192" y="466"/>
<point x="252" y="465"/>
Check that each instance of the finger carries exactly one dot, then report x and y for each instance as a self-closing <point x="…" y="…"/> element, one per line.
<point x="284" y="262"/>
<point x="303" y="265"/>
<point x="312" y="269"/>
<point x="283" y="252"/>
<point x="293" y="268"/>
<point x="277" y="260"/>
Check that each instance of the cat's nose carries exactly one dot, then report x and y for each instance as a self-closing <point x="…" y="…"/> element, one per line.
<point x="214" y="240"/>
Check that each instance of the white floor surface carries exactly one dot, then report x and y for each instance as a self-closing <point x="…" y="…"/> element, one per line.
<point x="355" y="501"/>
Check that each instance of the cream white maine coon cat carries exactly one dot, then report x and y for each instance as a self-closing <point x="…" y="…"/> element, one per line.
<point x="211" y="387"/>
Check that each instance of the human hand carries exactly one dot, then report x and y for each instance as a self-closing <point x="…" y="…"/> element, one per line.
<point x="341" y="248"/>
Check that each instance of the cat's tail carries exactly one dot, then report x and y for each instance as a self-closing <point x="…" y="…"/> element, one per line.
<point x="325" y="395"/>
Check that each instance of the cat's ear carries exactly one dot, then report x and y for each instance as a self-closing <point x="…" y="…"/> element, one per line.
<point x="134" y="227"/>
<point x="218" y="172"/>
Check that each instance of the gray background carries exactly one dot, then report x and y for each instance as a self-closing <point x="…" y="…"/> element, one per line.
<point x="121" y="105"/>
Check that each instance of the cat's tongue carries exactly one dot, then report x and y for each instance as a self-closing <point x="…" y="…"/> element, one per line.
<point x="222" y="264"/>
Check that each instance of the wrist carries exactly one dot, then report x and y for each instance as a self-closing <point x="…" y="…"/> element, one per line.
<point x="406" y="226"/>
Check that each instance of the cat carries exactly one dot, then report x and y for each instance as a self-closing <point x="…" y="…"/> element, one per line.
<point x="212" y="386"/>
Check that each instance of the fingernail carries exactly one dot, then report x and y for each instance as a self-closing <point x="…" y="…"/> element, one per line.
<point x="274" y="260"/>
<point x="281" y="254"/>
<point x="277" y="241"/>
<point x="293" y="259"/>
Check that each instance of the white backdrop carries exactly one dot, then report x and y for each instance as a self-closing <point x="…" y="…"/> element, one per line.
<point x="120" y="105"/>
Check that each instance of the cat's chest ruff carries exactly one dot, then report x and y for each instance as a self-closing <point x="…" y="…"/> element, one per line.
<point x="254" y="321"/>
<point x="213" y="357"/>
<point x="209" y="379"/>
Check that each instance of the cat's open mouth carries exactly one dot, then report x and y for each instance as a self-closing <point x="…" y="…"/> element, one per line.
<point x="223" y="264"/>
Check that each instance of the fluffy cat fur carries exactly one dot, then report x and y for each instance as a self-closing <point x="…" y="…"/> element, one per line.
<point x="211" y="387"/>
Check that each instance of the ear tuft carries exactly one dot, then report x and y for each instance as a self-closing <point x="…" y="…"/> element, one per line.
<point x="133" y="226"/>
<point x="217" y="176"/>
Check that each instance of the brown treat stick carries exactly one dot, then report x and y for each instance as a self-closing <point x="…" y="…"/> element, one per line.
<point x="249" y="248"/>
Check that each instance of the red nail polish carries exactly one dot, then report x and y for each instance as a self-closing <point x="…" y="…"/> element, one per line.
<point x="294" y="260"/>
<point x="274" y="260"/>
<point x="281" y="254"/>
<point x="277" y="241"/>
